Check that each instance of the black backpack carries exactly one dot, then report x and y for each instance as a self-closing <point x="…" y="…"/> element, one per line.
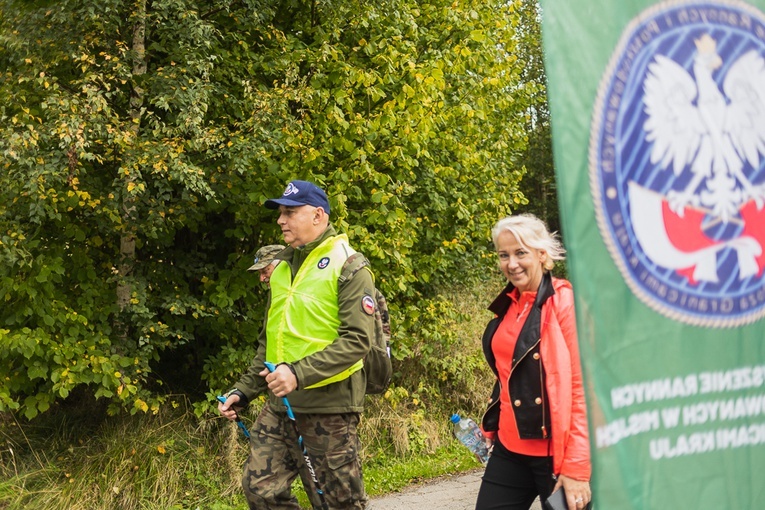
<point x="377" y="364"/>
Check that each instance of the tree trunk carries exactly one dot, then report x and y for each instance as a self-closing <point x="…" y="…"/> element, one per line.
<point x="127" y="239"/>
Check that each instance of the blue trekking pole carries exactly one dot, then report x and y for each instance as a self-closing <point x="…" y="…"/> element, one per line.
<point x="241" y="425"/>
<point x="271" y="367"/>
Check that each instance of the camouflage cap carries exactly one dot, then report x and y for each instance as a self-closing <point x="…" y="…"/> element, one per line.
<point x="265" y="256"/>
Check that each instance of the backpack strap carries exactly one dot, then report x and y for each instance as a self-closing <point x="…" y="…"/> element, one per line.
<point x="355" y="263"/>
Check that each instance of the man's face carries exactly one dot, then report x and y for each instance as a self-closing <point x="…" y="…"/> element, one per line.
<point x="299" y="224"/>
<point x="265" y="273"/>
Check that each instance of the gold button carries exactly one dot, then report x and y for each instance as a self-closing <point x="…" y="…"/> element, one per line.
<point x="517" y="403"/>
<point x="536" y="355"/>
<point x="538" y="400"/>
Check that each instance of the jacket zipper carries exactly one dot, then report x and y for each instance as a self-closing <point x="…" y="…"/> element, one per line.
<point x="543" y="393"/>
<point x="525" y="307"/>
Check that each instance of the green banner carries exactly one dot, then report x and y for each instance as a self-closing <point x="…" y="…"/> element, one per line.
<point x="658" y="113"/>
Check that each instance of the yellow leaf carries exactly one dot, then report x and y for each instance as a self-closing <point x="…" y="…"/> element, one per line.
<point x="140" y="404"/>
<point x="161" y="449"/>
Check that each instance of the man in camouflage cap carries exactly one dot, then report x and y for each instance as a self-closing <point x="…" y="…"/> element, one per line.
<point x="266" y="261"/>
<point x="319" y="326"/>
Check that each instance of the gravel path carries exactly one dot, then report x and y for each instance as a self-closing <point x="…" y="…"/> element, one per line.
<point x="456" y="492"/>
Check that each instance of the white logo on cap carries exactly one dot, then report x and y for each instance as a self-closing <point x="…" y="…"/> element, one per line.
<point x="291" y="190"/>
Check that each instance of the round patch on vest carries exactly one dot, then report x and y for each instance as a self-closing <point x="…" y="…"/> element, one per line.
<point x="323" y="263"/>
<point x="368" y="305"/>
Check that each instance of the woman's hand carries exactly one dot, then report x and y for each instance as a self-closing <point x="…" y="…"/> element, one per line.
<point x="489" y="442"/>
<point x="578" y="492"/>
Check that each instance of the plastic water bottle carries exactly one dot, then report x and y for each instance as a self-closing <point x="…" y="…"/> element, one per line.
<point x="469" y="434"/>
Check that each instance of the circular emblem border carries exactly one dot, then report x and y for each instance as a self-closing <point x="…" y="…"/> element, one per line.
<point x="651" y="299"/>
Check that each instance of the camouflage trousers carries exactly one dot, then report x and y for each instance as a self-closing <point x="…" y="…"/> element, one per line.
<point x="276" y="459"/>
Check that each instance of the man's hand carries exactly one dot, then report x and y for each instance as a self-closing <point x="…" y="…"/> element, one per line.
<point x="227" y="409"/>
<point x="281" y="381"/>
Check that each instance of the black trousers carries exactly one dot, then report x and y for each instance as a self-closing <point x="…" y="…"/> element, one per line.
<point x="513" y="481"/>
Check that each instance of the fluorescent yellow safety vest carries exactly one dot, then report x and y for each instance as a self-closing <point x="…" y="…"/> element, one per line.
<point x="303" y="317"/>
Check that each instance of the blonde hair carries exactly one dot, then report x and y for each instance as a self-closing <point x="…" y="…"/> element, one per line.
<point x="531" y="232"/>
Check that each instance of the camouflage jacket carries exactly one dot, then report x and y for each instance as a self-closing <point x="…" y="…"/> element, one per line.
<point x="354" y="338"/>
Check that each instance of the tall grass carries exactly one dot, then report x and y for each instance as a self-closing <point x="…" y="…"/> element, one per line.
<point x="75" y="457"/>
<point x="164" y="461"/>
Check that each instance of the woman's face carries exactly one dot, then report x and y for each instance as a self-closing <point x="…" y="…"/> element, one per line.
<point x="521" y="266"/>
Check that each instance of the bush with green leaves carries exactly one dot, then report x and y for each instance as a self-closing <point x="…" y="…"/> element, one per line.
<point x="140" y="139"/>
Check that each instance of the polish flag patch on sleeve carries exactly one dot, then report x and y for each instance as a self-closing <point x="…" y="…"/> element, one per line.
<point x="368" y="305"/>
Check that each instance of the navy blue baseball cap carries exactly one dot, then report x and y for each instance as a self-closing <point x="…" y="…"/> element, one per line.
<point x="299" y="193"/>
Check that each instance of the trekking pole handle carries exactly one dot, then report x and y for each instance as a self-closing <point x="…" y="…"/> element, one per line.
<point x="238" y="420"/>
<point x="271" y="367"/>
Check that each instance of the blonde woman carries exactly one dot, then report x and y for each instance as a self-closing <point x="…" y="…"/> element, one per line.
<point x="536" y="419"/>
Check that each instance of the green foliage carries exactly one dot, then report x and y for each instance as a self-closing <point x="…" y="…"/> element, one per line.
<point x="389" y="475"/>
<point x="140" y="139"/>
<point x="78" y="457"/>
<point x="80" y="460"/>
<point x="538" y="183"/>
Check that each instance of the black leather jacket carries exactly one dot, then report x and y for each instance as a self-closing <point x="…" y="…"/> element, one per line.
<point x="526" y="382"/>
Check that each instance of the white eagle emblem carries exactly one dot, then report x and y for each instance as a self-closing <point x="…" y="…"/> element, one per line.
<point x="677" y="160"/>
<point x="692" y="123"/>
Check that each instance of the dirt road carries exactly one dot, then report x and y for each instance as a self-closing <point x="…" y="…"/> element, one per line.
<point x="457" y="492"/>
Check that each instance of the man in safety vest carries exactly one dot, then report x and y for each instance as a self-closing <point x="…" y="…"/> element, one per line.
<point x="319" y="326"/>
